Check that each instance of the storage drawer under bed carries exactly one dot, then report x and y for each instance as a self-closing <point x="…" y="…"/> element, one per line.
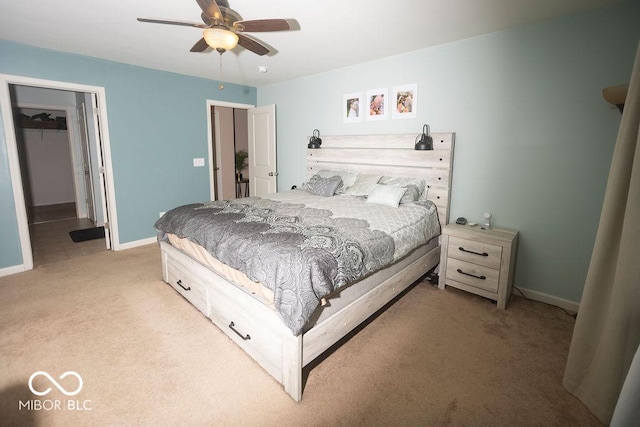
<point x="252" y="325"/>
<point x="187" y="285"/>
<point x="230" y="315"/>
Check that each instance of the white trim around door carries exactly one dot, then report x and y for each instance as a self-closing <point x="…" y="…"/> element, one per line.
<point x="14" y="163"/>
<point x="214" y="103"/>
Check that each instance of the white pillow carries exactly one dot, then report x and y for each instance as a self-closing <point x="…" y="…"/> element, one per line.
<point x="386" y="195"/>
<point x="348" y="177"/>
<point x="363" y="185"/>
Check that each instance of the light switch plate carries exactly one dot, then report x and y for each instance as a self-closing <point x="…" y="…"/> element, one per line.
<point x="198" y="162"/>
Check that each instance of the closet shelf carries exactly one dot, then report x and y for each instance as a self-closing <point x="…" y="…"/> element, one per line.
<point x="40" y="124"/>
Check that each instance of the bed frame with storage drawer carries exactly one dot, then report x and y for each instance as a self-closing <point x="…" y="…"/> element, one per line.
<point x="255" y="327"/>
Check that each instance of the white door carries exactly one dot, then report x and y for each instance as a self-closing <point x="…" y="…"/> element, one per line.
<point x="86" y="163"/>
<point x="101" y="169"/>
<point x="217" y="155"/>
<point x="262" y="150"/>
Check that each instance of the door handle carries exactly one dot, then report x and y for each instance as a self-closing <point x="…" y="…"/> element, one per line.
<point x="273" y="173"/>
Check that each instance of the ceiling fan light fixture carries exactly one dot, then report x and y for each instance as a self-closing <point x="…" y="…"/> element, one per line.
<point x="220" y="39"/>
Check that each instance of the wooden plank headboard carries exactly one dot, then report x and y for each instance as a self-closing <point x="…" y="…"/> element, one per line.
<point x="391" y="155"/>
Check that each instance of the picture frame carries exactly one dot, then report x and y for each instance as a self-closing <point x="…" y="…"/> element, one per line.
<point x="352" y="107"/>
<point x="376" y="104"/>
<point x="405" y="101"/>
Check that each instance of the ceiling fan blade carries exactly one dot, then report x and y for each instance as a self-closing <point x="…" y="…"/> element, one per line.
<point x="211" y="9"/>
<point x="262" y="25"/>
<point x="252" y="44"/>
<point x="200" y="46"/>
<point x="173" y="22"/>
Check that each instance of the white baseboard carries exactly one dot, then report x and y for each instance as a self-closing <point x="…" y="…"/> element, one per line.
<point x="7" y="271"/>
<point x="549" y="299"/>
<point x="136" y="243"/>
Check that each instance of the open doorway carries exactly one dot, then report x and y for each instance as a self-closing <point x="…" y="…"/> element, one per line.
<point x="43" y="143"/>
<point x="56" y="175"/>
<point x="77" y="170"/>
<point x="230" y="145"/>
<point x="228" y="135"/>
<point x="260" y="175"/>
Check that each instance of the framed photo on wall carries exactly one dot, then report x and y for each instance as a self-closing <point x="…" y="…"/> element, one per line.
<point x="405" y="101"/>
<point x="352" y="107"/>
<point x="376" y="104"/>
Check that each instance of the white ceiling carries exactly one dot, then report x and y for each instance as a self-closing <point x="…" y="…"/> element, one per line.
<point x="332" y="33"/>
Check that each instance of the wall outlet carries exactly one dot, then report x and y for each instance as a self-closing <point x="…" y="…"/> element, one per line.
<point x="198" y="162"/>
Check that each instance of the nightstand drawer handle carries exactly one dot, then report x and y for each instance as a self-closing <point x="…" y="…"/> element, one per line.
<point x="472" y="252"/>
<point x="244" y="337"/>
<point x="179" y="283"/>
<point x="472" y="275"/>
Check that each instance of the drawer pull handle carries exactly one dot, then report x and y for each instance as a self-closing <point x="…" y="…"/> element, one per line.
<point x="179" y="283"/>
<point x="244" y="337"/>
<point x="472" y="275"/>
<point x="472" y="252"/>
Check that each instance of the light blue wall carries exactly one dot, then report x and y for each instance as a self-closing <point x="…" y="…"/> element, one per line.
<point x="534" y="137"/>
<point x="157" y="125"/>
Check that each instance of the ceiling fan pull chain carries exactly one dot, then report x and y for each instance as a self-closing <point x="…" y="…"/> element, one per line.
<point x="221" y="87"/>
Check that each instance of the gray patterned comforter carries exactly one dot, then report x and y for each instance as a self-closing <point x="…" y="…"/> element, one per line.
<point x="300" y="253"/>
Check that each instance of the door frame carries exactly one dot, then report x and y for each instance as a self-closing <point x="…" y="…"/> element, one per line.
<point x="85" y="163"/>
<point x="103" y="146"/>
<point x="214" y="103"/>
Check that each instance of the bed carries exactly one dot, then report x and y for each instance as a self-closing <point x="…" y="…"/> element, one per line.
<point x="268" y="243"/>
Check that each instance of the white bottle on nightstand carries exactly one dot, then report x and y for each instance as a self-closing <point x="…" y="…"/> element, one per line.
<point x="487" y="221"/>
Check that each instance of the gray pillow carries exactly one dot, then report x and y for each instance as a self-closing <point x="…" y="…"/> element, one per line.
<point x="326" y="187"/>
<point x="400" y="181"/>
<point x="411" y="195"/>
<point x="307" y="186"/>
<point x="348" y="177"/>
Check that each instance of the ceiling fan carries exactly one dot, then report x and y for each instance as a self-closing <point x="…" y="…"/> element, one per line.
<point x="223" y="28"/>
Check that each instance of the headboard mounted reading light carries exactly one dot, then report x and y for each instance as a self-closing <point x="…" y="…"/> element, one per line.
<point x="315" y="141"/>
<point x="425" y="142"/>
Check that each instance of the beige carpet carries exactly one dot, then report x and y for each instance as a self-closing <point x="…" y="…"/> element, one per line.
<point x="147" y="357"/>
<point x="50" y="241"/>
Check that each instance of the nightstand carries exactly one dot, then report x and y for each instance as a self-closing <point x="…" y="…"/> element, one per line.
<point x="478" y="261"/>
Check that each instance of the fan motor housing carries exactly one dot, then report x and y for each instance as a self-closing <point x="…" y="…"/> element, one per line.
<point x="230" y="16"/>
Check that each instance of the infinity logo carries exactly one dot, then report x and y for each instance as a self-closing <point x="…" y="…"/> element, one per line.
<point x="55" y="383"/>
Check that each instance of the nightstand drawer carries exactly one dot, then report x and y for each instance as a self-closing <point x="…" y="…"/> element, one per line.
<point x="475" y="252"/>
<point x="473" y="275"/>
<point x="187" y="286"/>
